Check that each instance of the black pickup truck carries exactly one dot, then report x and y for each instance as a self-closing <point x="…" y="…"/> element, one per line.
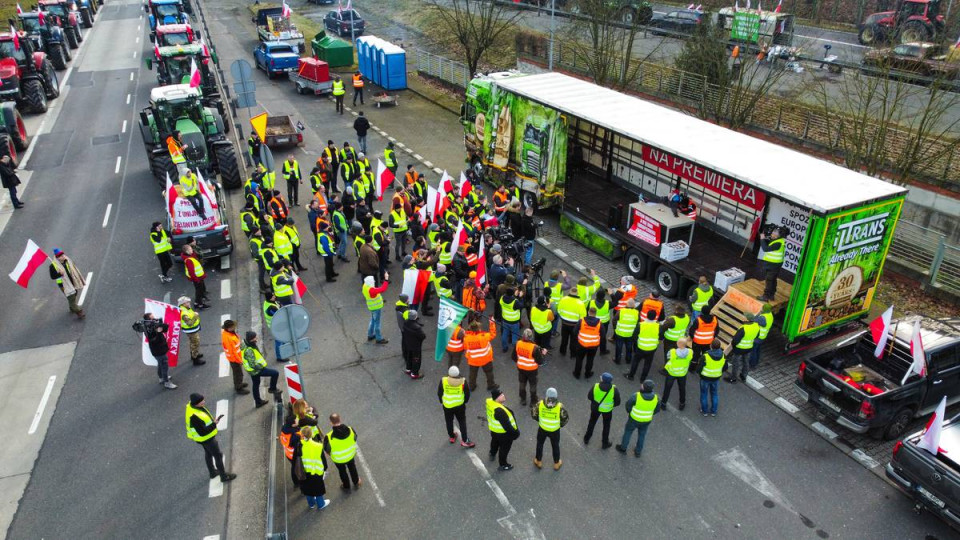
<point x="863" y="393"/>
<point x="933" y="481"/>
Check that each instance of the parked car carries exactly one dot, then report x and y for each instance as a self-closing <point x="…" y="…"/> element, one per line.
<point x="932" y="481"/>
<point x="684" y="21"/>
<point x="320" y="2"/>
<point x="275" y="57"/>
<point x="913" y="61"/>
<point x="339" y="22"/>
<point x="851" y="386"/>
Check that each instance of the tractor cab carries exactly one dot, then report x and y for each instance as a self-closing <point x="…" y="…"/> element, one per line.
<point x="175" y="34"/>
<point x="173" y="64"/>
<point x="177" y="108"/>
<point x="165" y="12"/>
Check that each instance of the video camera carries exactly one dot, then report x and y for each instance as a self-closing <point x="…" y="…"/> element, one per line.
<point x="768" y="229"/>
<point x="146" y="326"/>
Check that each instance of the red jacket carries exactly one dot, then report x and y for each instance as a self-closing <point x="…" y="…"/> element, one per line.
<point x="375" y="291"/>
<point x="190" y="264"/>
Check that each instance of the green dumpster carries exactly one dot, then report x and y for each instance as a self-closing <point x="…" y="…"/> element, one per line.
<point x="335" y="52"/>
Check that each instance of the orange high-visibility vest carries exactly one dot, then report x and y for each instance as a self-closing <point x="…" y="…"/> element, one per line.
<point x="358" y="81"/>
<point x="650" y="303"/>
<point x="287" y="449"/>
<point x="322" y="200"/>
<point x="411" y="177"/>
<point x="278" y="210"/>
<point x="525" y="359"/>
<point x="628" y="295"/>
<point x="456" y="343"/>
<point x="589" y="336"/>
<point x="705" y="332"/>
<point x="477" y="346"/>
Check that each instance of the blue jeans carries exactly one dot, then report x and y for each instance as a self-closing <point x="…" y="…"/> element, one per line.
<point x="641" y="428"/>
<point x="528" y="253"/>
<point x="509" y="334"/>
<point x="373" y="331"/>
<point x="276" y="347"/>
<point x="708" y="387"/>
<point x="623" y="343"/>
<point x="342" y="246"/>
<point x="319" y="502"/>
<point x="755" y="353"/>
<point x="696" y="314"/>
<point x="556" y="319"/>
<point x="255" y="382"/>
<point x="361" y="140"/>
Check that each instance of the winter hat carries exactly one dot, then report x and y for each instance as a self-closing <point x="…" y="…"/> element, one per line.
<point x="56" y="252"/>
<point x="183" y="300"/>
<point x="369" y="281"/>
<point x="413" y="315"/>
<point x="250" y="335"/>
<point x="495" y="393"/>
<point x="441" y="268"/>
<point x="407" y="260"/>
<point x="648" y="386"/>
<point x="195" y="399"/>
<point x="551" y="393"/>
<point x="473" y="274"/>
<point x="606" y="377"/>
<point x="404" y="298"/>
<point x="454" y="371"/>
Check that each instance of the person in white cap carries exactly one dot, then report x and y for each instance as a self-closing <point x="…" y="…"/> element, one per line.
<point x="190" y="325"/>
<point x="550" y="416"/>
<point x="454" y="394"/>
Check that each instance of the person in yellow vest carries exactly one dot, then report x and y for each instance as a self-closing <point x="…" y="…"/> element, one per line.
<point x="557" y="283"/>
<point x="741" y="347"/>
<point x="541" y="319"/>
<point x="586" y="288"/>
<point x="511" y="304"/>
<point x="193" y="268"/>
<point x="550" y="415"/>
<point x="503" y="428"/>
<point x="623" y="331"/>
<point x="674" y="328"/>
<point x="773" y="249"/>
<point x="190" y="190"/>
<point x="283" y="282"/>
<point x="454" y="394"/>
<point x="713" y="365"/>
<point x="641" y="407"/>
<point x="290" y="229"/>
<point x="647" y="336"/>
<point x="202" y="429"/>
<point x="399" y="226"/>
<point x="338" y="92"/>
<point x="603" y="307"/>
<point x="341" y="444"/>
<point x="309" y="451"/>
<point x="528" y="356"/>
<point x="162" y="247"/>
<point x="293" y="176"/>
<point x="390" y="158"/>
<point x="571" y="310"/>
<point x="190" y="325"/>
<point x="256" y="365"/>
<point x="588" y="341"/>
<point x="357" y="88"/>
<point x="701" y="296"/>
<point x="765" y="321"/>
<point x="374" y="298"/>
<point x="678" y="365"/>
<point x="281" y="242"/>
<point x="604" y="396"/>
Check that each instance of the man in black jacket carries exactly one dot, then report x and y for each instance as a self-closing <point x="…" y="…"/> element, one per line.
<point x="202" y="428"/>
<point x="8" y="175"/>
<point x="156" y="333"/>
<point x="361" y="125"/>
<point x="503" y="429"/>
<point x="603" y="398"/>
<point x="412" y="337"/>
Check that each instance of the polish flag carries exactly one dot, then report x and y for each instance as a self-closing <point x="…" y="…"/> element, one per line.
<point x="156" y="51"/>
<point x="736" y="5"/>
<point x="779" y="5"/>
<point x="339" y="6"/>
<point x="431" y="203"/>
<point x="464" y="186"/>
<point x="446" y="183"/>
<point x="700" y="8"/>
<point x="33" y="257"/>
<point x="194" y="74"/>
<point x="459" y="237"/>
<point x="748" y="4"/>
<point x="299" y="289"/>
<point x="385" y="178"/>
<point x="759" y="7"/>
<point x="930" y="441"/>
<point x="919" y="365"/>
<point x="206" y="51"/>
<point x="880" y="328"/>
<point x="39" y="16"/>
<point x="170" y="315"/>
<point x="691" y="6"/>
<point x="285" y="11"/>
<point x="19" y="9"/>
<point x="415" y="283"/>
<point x="16" y="38"/>
<point x="489" y="220"/>
<point x="481" y="265"/>
<point x="422" y="213"/>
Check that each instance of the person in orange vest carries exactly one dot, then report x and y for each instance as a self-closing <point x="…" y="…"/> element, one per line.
<point x="357" y="88"/>
<point x="702" y="332"/>
<point x="473" y="295"/>
<point x="411" y="176"/>
<point x="277" y="207"/>
<point x="232" y="348"/>
<point x="455" y="347"/>
<point x="528" y="357"/>
<point x="588" y="337"/>
<point x="175" y="147"/>
<point x="479" y="353"/>
<point x="290" y="440"/>
<point x="653" y="302"/>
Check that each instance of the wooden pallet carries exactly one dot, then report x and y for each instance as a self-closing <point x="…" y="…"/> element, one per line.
<point x="741" y="298"/>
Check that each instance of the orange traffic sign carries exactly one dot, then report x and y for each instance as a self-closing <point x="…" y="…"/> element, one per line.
<point x="259" y="123"/>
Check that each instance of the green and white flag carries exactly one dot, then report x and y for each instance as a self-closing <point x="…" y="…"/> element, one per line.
<point x="448" y="317"/>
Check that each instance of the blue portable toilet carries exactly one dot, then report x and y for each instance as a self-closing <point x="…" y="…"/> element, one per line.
<point x="363" y="55"/>
<point x="376" y="44"/>
<point x="392" y="64"/>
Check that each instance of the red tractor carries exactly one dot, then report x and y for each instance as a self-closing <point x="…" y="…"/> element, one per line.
<point x="913" y="21"/>
<point x="26" y="75"/>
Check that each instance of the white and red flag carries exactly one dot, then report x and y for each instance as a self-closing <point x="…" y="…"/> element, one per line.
<point x="880" y="329"/>
<point x="431" y="203"/>
<point x="19" y="9"/>
<point x="170" y="315"/>
<point x="285" y="11"/>
<point x="919" y="365"/>
<point x="465" y="186"/>
<point x="299" y="289"/>
<point x="206" y="51"/>
<point x="930" y="440"/>
<point x="33" y="257"/>
<point x="481" y="265"/>
<point x="16" y="38"/>
<point x="415" y="283"/>
<point x="156" y="51"/>
<point x="779" y="5"/>
<point x="459" y="236"/>
<point x="442" y="202"/>
<point x="385" y="178"/>
<point x="40" y="18"/>
<point x="194" y="74"/>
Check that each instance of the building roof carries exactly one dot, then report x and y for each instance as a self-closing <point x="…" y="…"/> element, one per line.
<point x="790" y="175"/>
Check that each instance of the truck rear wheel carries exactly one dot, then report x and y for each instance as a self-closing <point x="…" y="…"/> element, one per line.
<point x="637" y="263"/>
<point x="667" y="281"/>
<point x="898" y="424"/>
<point x="229" y="168"/>
<point x="34" y="96"/>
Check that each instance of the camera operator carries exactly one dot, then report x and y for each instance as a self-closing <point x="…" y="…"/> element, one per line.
<point x="528" y="232"/>
<point x="156" y="333"/>
<point x="774" y="248"/>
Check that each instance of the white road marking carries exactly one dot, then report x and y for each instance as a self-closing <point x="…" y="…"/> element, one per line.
<point x="823" y="430"/>
<point x="391" y="139"/>
<point x="418" y="156"/>
<point x="134" y="54"/>
<point x="216" y="487"/>
<point x="223" y="407"/>
<point x="864" y="459"/>
<point x="131" y="75"/>
<point x="695" y="428"/>
<point x="224" y="365"/>
<point x="560" y="253"/>
<point x="738" y="464"/>
<point x="578" y="266"/>
<point x="43" y="405"/>
<point x="106" y="215"/>
<point x="753" y="383"/>
<point x="128" y="99"/>
<point x="116" y="170"/>
<point x="400" y="144"/>
<point x="139" y="26"/>
<point x="786" y="405"/>
<point x="369" y="475"/>
<point x="225" y="292"/>
<point x="123" y="129"/>
<point x="83" y="293"/>
<point x="166" y="297"/>
<point x="857" y="45"/>
<point x="212" y="537"/>
<point x="428" y="164"/>
<point x="438" y="170"/>
<point x="224" y="318"/>
<point x="137" y="41"/>
<point x="225" y="262"/>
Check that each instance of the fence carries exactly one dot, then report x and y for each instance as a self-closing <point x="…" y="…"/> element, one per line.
<point x="437" y="66"/>
<point x="926" y="252"/>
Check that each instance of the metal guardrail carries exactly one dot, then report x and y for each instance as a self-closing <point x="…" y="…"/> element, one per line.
<point x="926" y="251"/>
<point x="447" y="70"/>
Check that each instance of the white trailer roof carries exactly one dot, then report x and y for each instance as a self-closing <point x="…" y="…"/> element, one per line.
<point x="796" y="177"/>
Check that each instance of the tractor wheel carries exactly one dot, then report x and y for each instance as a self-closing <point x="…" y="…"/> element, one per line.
<point x="228" y="166"/>
<point x="52" y="80"/>
<point x="162" y="165"/>
<point x="79" y="33"/>
<point x="7" y="148"/>
<point x="226" y="124"/>
<point x="57" y="57"/>
<point x="913" y="32"/>
<point x="73" y="37"/>
<point x="869" y="35"/>
<point x="34" y="96"/>
<point x="87" y="18"/>
<point x="66" y="50"/>
<point x="15" y="127"/>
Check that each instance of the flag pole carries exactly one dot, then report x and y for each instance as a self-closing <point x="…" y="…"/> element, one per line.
<point x="894" y="337"/>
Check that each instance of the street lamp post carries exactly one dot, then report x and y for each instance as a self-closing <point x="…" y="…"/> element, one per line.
<point x="553" y="27"/>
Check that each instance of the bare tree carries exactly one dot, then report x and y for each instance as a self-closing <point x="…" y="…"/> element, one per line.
<point x="602" y="37"/>
<point x="477" y="25"/>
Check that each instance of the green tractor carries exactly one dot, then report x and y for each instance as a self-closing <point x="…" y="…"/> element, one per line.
<point x="179" y="109"/>
<point x="173" y="67"/>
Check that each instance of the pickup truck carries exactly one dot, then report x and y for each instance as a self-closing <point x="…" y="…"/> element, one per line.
<point x="851" y="386"/>
<point x="275" y="58"/>
<point x="282" y="131"/>
<point x="933" y="481"/>
<point x="272" y="26"/>
<point x="918" y="62"/>
<point x="212" y="234"/>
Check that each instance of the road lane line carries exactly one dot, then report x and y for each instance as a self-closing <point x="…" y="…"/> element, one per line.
<point x="43" y="405"/>
<point x="128" y="99"/>
<point x="131" y="75"/>
<point x="124" y="128"/>
<point x="83" y="293"/>
<point x="223" y="407"/>
<point x="216" y="487"/>
<point x="116" y="170"/>
<point x="106" y="215"/>
<point x="225" y="292"/>
<point x="134" y="54"/>
<point x="212" y="537"/>
<point x="137" y="41"/>
<point x="225" y="262"/>
<point x="224" y="318"/>
<point x="369" y="475"/>
<point x="695" y="428"/>
<point x="224" y="365"/>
